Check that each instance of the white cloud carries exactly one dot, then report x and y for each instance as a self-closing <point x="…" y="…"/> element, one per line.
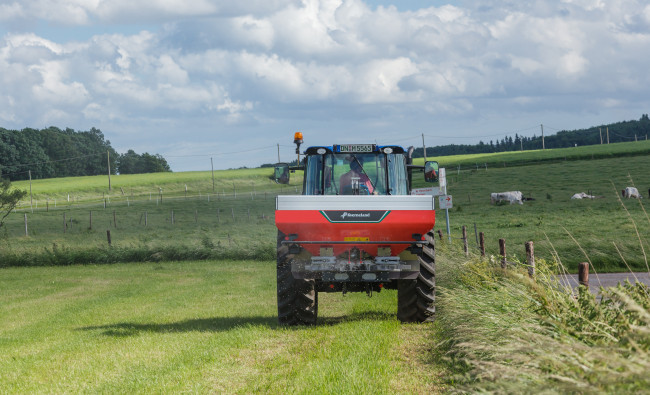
<point x="169" y="71"/>
<point x="254" y="63"/>
<point x="56" y="87"/>
<point x="379" y="80"/>
<point x="11" y="11"/>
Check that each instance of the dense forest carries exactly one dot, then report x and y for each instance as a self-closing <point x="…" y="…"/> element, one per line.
<point x="53" y="152"/>
<point x="618" y="132"/>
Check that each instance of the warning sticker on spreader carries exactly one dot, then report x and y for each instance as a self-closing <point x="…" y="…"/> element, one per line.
<point x="356" y="239"/>
<point x="350" y="216"/>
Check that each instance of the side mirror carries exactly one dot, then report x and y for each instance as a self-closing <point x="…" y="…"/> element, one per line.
<point x="431" y="171"/>
<point x="281" y="173"/>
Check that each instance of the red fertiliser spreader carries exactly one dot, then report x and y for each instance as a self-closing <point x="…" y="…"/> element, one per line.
<point x="355" y="228"/>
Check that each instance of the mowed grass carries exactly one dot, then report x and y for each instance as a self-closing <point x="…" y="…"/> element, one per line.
<point x="197" y="327"/>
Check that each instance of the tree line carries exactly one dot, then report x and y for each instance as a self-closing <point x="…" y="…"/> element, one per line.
<point x="618" y="132"/>
<point x="53" y="152"/>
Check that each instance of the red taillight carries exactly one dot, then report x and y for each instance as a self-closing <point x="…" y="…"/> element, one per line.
<point x="381" y="285"/>
<point x="332" y="286"/>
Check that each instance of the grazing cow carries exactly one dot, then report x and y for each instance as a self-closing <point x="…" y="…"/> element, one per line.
<point x="631" y="192"/>
<point x="582" y="195"/>
<point x="511" y="196"/>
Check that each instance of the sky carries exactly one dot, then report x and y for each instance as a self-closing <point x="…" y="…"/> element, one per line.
<point x="233" y="81"/>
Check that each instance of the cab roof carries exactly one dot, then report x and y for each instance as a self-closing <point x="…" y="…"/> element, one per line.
<point x="354" y="149"/>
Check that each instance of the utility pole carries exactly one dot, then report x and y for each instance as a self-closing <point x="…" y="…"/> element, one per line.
<point x="108" y="160"/>
<point x="212" y="165"/>
<point x="543" y="146"/>
<point x="600" y="130"/>
<point x="31" y="199"/>
<point x="607" y="134"/>
<point x="279" y="153"/>
<point x="424" y="148"/>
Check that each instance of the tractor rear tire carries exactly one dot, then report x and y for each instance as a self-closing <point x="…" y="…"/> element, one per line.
<point x="297" y="299"/>
<point x="416" y="298"/>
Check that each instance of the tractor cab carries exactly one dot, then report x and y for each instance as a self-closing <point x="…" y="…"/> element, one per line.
<point x="356" y="169"/>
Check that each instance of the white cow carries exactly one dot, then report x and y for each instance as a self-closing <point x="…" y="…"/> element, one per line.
<point x="631" y="192"/>
<point x="511" y="196"/>
<point x="582" y="195"/>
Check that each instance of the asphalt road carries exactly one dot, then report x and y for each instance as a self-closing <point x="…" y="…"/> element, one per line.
<point x="606" y="279"/>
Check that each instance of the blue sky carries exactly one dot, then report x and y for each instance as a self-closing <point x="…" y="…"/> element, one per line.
<point x="231" y="80"/>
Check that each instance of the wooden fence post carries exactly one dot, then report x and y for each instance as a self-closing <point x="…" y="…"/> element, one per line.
<point x="481" y="239"/>
<point x="114" y="220"/>
<point x="26" y="234"/>
<point x="530" y="258"/>
<point x="108" y="236"/>
<point x="65" y="224"/>
<point x="90" y="221"/>
<point x="502" y="252"/>
<point x="465" y="240"/>
<point x="440" y="234"/>
<point x="232" y="211"/>
<point x="583" y="274"/>
<point x="145" y="218"/>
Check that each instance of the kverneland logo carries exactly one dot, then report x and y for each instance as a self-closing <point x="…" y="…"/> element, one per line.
<point x="355" y="216"/>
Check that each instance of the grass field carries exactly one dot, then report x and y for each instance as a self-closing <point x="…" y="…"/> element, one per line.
<point x="197" y="327"/>
<point x="204" y="226"/>
<point x="520" y="158"/>
<point x="141" y="186"/>
<point x="209" y="324"/>
<point x="552" y="219"/>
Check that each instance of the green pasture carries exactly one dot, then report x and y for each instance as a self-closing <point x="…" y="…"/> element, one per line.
<point x="553" y="220"/>
<point x="141" y="186"/>
<point x="236" y="220"/>
<point x="206" y="327"/>
<point x="203" y="227"/>
<point x="520" y="158"/>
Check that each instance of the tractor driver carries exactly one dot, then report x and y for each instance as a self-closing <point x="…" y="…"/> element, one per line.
<point x="356" y="182"/>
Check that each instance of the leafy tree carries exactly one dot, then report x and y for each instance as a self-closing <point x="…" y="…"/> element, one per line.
<point x="8" y="199"/>
<point x="132" y="163"/>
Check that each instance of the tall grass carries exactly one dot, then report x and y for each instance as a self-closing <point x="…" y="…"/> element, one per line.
<point x="502" y="332"/>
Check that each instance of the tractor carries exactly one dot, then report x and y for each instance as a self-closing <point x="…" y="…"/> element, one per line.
<point x="355" y="228"/>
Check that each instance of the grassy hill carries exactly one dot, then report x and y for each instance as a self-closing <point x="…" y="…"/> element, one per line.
<point x="524" y="158"/>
